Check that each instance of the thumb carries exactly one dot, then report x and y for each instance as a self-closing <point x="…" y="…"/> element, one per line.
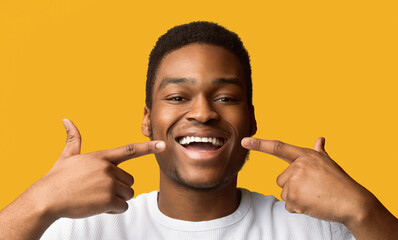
<point x="73" y="139"/>
<point x="319" y="145"/>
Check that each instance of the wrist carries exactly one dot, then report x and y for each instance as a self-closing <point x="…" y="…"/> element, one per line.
<point x="26" y="217"/>
<point x="372" y="221"/>
<point x="40" y="202"/>
<point x="364" y="207"/>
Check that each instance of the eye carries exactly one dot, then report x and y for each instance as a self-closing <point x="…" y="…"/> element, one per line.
<point x="226" y="99"/>
<point x="176" y="99"/>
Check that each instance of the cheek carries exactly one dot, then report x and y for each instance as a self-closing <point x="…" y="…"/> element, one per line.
<point x="162" y="119"/>
<point x="239" y="119"/>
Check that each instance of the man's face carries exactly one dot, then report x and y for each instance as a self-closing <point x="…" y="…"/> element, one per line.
<point x="200" y="109"/>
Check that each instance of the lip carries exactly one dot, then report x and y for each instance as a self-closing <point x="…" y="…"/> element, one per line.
<point x="203" y="133"/>
<point x="203" y="155"/>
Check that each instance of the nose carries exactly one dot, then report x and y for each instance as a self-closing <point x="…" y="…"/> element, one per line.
<point x="202" y="111"/>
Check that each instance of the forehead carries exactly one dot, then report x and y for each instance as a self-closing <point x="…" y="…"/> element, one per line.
<point x="201" y="62"/>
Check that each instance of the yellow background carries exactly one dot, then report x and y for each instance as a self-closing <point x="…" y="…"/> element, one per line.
<point x="320" y="68"/>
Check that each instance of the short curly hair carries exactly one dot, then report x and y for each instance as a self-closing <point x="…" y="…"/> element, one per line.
<point x="197" y="32"/>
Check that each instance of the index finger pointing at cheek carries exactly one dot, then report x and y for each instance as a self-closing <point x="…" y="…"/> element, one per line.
<point x="279" y="149"/>
<point x="121" y="154"/>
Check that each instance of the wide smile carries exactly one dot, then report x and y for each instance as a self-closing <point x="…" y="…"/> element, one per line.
<point x="201" y="144"/>
<point x="201" y="148"/>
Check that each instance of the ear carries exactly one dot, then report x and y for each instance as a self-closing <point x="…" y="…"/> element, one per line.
<point x="253" y="122"/>
<point x="146" y="122"/>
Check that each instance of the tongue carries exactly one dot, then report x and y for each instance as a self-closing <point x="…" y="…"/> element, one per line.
<point x="201" y="146"/>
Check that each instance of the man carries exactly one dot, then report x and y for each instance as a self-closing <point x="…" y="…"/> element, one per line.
<point x="199" y="116"/>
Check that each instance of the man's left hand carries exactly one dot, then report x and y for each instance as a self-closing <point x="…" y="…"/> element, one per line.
<point x="314" y="184"/>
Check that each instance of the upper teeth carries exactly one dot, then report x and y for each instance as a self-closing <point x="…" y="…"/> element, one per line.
<point x="212" y="140"/>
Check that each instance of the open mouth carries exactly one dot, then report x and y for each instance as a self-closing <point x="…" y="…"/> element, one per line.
<point x="201" y="144"/>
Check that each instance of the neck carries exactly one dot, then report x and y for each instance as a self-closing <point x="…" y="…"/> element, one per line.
<point x="181" y="202"/>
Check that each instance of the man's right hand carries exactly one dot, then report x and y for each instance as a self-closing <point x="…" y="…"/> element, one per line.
<point x="82" y="185"/>
<point x="78" y="186"/>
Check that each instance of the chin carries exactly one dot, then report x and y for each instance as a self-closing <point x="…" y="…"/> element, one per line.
<point x="204" y="181"/>
<point x="199" y="174"/>
<point x="201" y="185"/>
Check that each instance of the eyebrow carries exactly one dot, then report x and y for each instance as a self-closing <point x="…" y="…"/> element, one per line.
<point x="235" y="81"/>
<point x="192" y="81"/>
<point x="168" y="81"/>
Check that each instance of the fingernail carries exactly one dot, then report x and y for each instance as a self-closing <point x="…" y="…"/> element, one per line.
<point x="160" y="145"/>
<point x="246" y="142"/>
<point x="66" y="124"/>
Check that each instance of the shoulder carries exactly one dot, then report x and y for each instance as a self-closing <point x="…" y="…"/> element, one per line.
<point x="100" y="226"/>
<point x="271" y="213"/>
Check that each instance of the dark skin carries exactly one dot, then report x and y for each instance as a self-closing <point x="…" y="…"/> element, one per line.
<point x="188" y="100"/>
<point x="315" y="185"/>
<point x="199" y="91"/>
<point x="77" y="186"/>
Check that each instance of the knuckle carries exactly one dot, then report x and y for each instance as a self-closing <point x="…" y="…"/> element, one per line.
<point x="293" y="208"/>
<point x="299" y="167"/>
<point x="131" y="180"/>
<point x="124" y="206"/>
<point x="130" y="194"/>
<point x="130" y="150"/>
<point x="107" y="168"/>
<point x="289" y="208"/>
<point x="292" y="196"/>
<point x="295" y="178"/>
<point x="278" y="146"/>
<point x="72" y="138"/>
<point x="149" y="147"/>
<point x="117" y="205"/>
<point x="256" y="143"/>
<point x="279" y="181"/>
<point x="282" y="196"/>
<point x="294" y="183"/>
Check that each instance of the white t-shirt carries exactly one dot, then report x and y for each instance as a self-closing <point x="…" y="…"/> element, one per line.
<point x="257" y="217"/>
